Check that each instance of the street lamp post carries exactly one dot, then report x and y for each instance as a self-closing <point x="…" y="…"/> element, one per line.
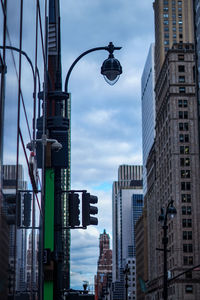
<point x="170" y="210"/>
<point x="126" y="273"/>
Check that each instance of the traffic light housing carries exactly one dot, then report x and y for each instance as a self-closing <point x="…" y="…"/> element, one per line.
<point x="27" y="209"/>
<point x="74" y="211"/>
<point x="88" y="209"/>
<point x="11" y="200"/>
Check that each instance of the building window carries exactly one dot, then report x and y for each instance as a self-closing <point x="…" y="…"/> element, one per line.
<point x="181" y="79"/>
<point x="187" y="223"/>
<point x="185" y="173"/>
<point x="184" y="149"/>
<point x="182" y="103"/>
<point x="185" y="186"/>
<point x="180" y="57"/>
<point x="183" y="126"/>
<point x="166" y="22"/>
<point x="186" y="198"/>
<point x="184" y="161"/>
<point x="184" y="138"/>
<point x="165" y="16"/>
<point x="182" y="89"/>
<point x="189" y="289"/>
<point x="181" y="68"/>
<point x="188" y="260"/>
<point x="187" y="248"/>
<point x="166" y="42"/>
<point x="183" y="114"/>
<point x="187" y="235"/>
<point x="186" y="210"/>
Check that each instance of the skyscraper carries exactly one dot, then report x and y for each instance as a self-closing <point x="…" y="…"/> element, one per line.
<point x="173" y="162"/>
<point x="173" y="24"/>
<point x="127" y="202"/>
<point x="148" y="110"/>
<point x="177" y="168"/>
<point x="104" y="269"/>
<point x="126" y="173"/>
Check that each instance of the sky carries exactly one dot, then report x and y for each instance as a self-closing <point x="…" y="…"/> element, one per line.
<point x="106" y="120"/>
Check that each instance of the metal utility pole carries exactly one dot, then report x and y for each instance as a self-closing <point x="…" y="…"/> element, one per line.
<point x="56" y="133"/>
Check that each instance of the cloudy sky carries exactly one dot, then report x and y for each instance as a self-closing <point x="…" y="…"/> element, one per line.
<point x="106" y="120"/>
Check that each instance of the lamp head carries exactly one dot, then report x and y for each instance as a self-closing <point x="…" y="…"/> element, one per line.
<point x="171" y="209"/>
<point x="111" y="68"/>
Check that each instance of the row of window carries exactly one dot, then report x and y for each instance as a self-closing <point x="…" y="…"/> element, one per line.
<point x="166" y="2"/>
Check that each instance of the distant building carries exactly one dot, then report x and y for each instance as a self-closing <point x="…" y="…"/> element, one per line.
<point x="148" y="110"/>
<point x="18" y="238"/>
<point x="104" y="268"/>
<point x="126" y="173"/>
<point x="128" y="200"/>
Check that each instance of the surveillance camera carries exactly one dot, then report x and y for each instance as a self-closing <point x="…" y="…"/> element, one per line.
<point x="56" y="146"/>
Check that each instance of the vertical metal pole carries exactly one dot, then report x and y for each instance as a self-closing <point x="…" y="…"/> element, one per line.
<point x="54" y="110"/>
<point x="165" y="242"/>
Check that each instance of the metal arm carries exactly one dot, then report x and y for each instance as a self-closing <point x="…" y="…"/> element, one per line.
<point x="110" y="48"/>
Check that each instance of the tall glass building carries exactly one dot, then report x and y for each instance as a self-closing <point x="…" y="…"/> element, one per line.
<point x="148" y="110"/>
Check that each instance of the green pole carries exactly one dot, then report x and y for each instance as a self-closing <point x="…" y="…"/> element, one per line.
<point x="49" y="232"/>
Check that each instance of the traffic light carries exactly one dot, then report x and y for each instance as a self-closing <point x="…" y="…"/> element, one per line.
<point x="74" y="211"/>
<point x="11" y="200"/>
<point x="88" y="209"/>
<point x="27" y="209"/>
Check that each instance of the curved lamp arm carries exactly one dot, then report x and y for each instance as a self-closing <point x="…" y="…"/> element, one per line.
<point x="30" y="62"/>
<point x="110" y="48"/>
